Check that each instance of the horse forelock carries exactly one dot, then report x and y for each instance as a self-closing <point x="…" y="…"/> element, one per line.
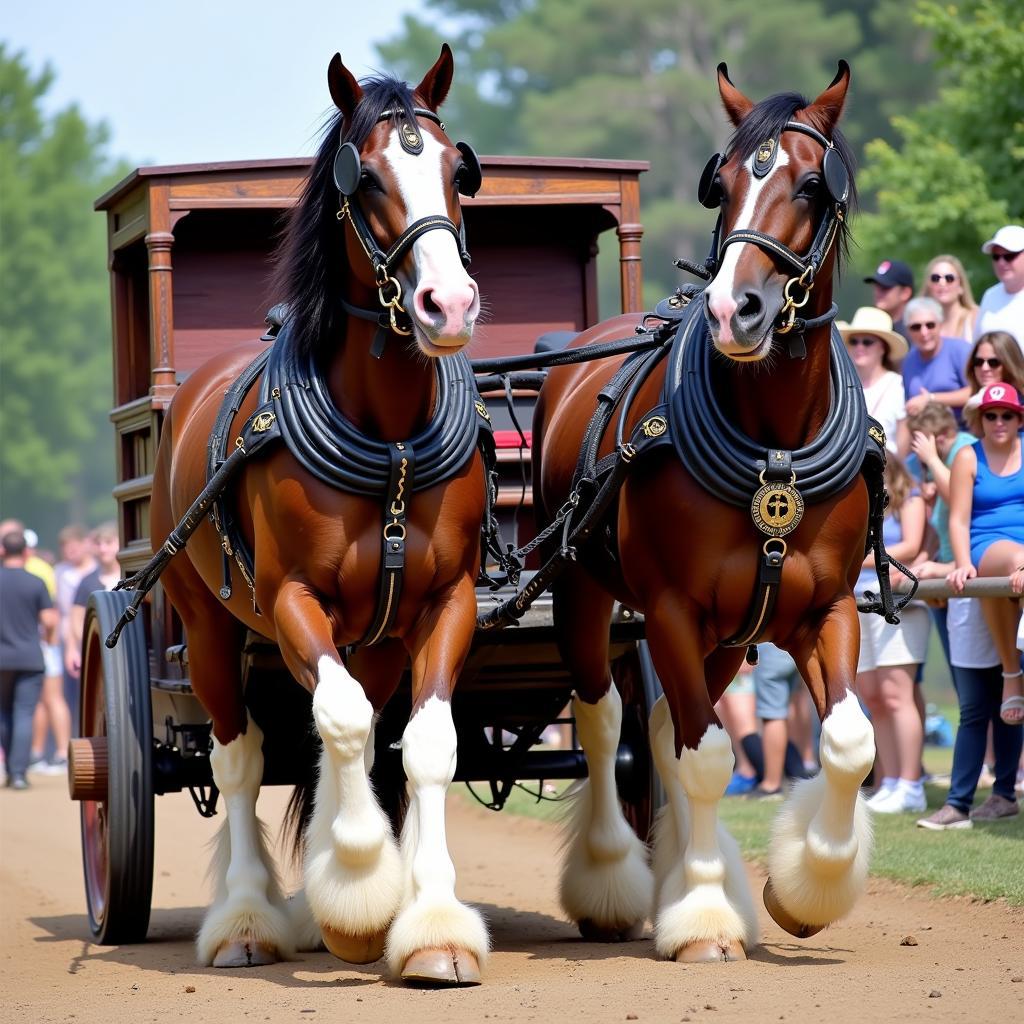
<point x="310" y="258"/>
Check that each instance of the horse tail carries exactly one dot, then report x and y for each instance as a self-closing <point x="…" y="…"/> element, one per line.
<point x="300" y="804"/>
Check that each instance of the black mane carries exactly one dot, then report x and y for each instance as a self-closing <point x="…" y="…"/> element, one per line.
<point x="767" y="119"/>
<point x="310" y="258"/>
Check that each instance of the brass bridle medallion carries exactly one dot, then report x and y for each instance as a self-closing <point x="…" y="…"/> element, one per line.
<point x="777" y="508"/>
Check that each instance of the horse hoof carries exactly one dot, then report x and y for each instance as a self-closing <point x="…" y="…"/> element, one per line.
<point x="242" y="953"/>
<point x="785" y="920"/>
<point x="710" y="952"/>
<point x="354" y="949"/>
<point x="442" y="967"/>
<point x="594" y="932"/>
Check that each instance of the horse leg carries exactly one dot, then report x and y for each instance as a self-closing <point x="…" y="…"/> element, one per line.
<point x="704" y="908"/>
<point x="435" y="939"/>
<point x="352" y="872"/>
<point x="606" y="886"/>
<point x="821" y="840"/>
<point x="247" y="925"/>
<point x="381" y="667"/>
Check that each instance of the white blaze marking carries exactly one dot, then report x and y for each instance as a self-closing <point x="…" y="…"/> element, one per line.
<point x="722" y="286"/>
<point x="421" y="185"/>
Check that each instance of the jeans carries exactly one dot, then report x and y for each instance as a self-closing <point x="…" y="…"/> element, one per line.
<point x="19" y="694"/>
<point x="980" y="691"/>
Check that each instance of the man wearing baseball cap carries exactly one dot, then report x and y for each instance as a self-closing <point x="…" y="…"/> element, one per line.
<point x="893" y="283"/>
<point x="1002" y="306"/>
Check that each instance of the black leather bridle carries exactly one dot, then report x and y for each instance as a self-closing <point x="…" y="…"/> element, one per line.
<point x="836" y="176"/>
<point x="348" y="177"/>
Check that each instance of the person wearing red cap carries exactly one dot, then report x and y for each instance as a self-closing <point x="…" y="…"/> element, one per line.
<point x="1002" y="306"/>
<point x="986" y="526"/>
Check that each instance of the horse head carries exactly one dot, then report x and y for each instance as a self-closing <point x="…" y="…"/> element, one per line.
<point x="783" y="189"/>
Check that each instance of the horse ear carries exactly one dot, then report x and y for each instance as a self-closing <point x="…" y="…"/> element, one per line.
<point x="438" y="80"/>
<point x="345" y="90"/>
<point x="831" y="101"/>
<point x="737" y="106"/>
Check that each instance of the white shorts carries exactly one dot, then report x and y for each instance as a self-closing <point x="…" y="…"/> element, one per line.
<point x="53" y="658"/>
<point x="883" y="645"/>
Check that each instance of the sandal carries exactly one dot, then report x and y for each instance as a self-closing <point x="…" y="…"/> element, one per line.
<point x="1011" y="711"/>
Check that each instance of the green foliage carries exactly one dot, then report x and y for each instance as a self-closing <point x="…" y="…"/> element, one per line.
<point x="954" y="174"/>
<point x="56" y="461"/>
<point x="614" y="79"/>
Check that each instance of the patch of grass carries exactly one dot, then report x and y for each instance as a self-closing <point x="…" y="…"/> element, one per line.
<point x="983" y="862"/>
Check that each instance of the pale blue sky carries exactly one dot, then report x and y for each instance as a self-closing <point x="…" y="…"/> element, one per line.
<point x="198" y="80"/>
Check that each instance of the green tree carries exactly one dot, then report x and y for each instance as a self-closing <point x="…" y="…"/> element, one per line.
<point x="954" y="174"/>
<point x="604" y="78"/>
<point x="56" y="458"/>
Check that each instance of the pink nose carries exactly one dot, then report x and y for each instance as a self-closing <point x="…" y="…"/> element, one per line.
<point x="447" y="310"/>
<point x="722" y="307"/>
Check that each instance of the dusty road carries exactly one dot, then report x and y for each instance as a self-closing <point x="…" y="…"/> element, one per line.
<point x="966" y="966"/>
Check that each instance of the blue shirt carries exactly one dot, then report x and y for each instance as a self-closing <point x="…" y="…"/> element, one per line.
<point x="945" y="371"/>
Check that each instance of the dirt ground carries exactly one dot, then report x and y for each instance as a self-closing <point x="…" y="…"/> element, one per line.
<point x="967" y="964"/>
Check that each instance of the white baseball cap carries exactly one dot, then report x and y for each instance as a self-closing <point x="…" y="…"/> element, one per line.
<point x="1010" y="238"/>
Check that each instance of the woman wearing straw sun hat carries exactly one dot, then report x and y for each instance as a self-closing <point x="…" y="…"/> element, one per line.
<point x="876" y="350"/>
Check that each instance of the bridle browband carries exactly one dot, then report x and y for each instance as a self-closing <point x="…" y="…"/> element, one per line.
<point x="347" y="177"/>
<point x="836" y="177"/>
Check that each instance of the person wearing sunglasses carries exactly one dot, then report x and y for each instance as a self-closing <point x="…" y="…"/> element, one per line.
<point x="995" y="359"/>
<point x="876" y="350"/>
<point x="1002" y="306"/>
<point x="934" y="371"/>
<point x="986" y="528"/>
<point x="945" y="281"/>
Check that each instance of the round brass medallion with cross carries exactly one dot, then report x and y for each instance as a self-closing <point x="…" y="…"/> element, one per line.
<point x="777" y="508"/>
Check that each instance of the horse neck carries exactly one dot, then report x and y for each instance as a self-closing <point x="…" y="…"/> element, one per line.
<point x="390" y="398"/>
<point x="785" y="405"/>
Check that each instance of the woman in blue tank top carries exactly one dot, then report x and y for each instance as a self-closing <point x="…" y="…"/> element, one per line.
<point x="986" y="527"/>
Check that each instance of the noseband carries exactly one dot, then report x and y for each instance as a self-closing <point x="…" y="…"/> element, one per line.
<point x="348" y="178"/>
<point x="836" y="176"/>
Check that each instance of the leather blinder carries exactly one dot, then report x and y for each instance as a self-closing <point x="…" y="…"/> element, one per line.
<point x="837" y="176"/>
<point x="471" y="174"/>
<point x="709" y="191"/>
<point x="348" y="169"/>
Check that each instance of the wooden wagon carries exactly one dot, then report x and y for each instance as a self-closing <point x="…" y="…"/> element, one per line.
<point x="189" y="252"/>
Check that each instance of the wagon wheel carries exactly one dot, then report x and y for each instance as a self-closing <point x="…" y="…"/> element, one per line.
<point x="117" y="739"/>
<point x="641" y="793"/>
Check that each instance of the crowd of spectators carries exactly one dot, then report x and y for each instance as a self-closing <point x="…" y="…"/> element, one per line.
<point x="945" y="377"/>
<point x="42" y="615"/>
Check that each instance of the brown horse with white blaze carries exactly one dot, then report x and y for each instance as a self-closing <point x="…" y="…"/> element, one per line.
<point x="317" y="551"/>
<point x="689" y="560"/>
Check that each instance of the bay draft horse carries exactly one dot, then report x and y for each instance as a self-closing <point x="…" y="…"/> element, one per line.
<point x="689" y="562"/>
<point x="317" y="557"/>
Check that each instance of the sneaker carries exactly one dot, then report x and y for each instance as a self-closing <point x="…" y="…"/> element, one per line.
<point x="946" y="817"/>
<point x="881" y="795"/>
<point x="740" y="785"/>
<point x="901" y="801"/>
<point x="995" y="808"/>
<point x="757" y="793"/>
<point x="59" y="766"/>
<point x="38" y="764"/>
<point x="17" y="782"/>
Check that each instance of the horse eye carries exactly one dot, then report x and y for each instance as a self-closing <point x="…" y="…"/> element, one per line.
<point x="369" y="183"/>
<point x="810" y="188"/>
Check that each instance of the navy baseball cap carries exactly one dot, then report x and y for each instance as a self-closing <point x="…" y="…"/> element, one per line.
<point x="891" y="273"/>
